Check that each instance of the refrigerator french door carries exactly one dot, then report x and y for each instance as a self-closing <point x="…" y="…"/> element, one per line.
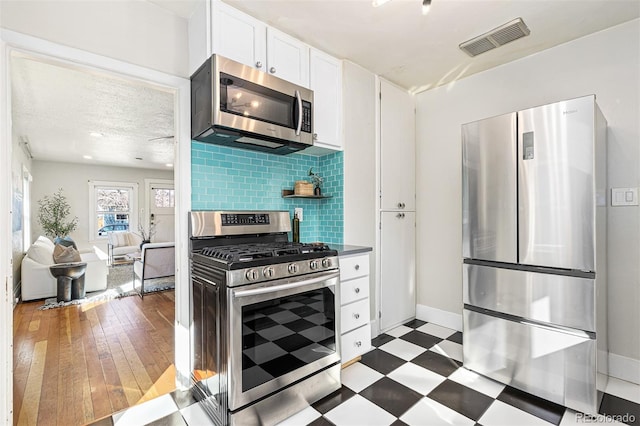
<point x="534" y="249"/>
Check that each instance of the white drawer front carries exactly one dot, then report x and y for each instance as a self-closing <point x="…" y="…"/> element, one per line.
<point x="354" y="266"/>
<point x="355" y="343"/>
<point x="353" y="290"/>
<point x="354" y="315"/>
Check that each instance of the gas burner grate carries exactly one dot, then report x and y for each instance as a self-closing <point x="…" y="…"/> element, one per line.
<point x="247" y="252"/>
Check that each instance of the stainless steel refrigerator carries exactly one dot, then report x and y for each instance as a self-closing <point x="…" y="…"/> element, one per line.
<point x="534" y="251"/>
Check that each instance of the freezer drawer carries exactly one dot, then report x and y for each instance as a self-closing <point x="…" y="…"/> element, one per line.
<point x="551" y="364"/>
<point x="489" y="189"/>
<point x="556" y="299"/>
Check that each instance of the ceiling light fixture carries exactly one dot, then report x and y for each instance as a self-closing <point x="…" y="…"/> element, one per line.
<point x="426" y="6"/>
<point x="87" y="157"/>
<point x="377" y="3"/>
<point x="96" y="134"/>
<point x="169" y="164"/>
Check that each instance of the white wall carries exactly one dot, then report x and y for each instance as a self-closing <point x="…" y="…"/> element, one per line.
<point x="606" y="64"/>
<point x="48" y="176"/>
<point x="360" y="163"/>
<point x="137" y="32"/>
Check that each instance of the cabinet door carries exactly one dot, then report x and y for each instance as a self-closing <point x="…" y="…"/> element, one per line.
<point x="397" y="268"/>
<point x="238" y="36"/>
<point x="325" y="79"/>
<point x="287" y="57"/>
<point x="397" y="148"/>
<point x="556" y="185"/>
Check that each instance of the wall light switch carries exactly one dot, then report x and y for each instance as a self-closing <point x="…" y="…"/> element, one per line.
<point x="624" y="197"/>
<point x="298" y="212"/>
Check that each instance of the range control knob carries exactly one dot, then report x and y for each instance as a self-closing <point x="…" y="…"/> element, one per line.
<point x="326" y="263"/>
<point x="251" y="275"/>
<point x="313" y="264"/>
<point x="292" y="268"/>
<point x="268" y="272"/>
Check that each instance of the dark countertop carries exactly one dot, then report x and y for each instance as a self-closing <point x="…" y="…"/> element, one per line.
<point x="345" y="250"/>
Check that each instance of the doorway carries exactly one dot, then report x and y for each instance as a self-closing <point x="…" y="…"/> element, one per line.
<point x="160" y="196"/>
<point x="17" y="43"/>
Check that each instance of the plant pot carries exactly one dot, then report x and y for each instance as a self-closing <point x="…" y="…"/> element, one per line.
<point x="144" y="242"/>
<point x="317" y="191"/>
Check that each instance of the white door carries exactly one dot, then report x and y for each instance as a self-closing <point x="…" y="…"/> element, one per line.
<point x="397" y="148"/>
<point x="287" y="57"/>
<point x="161" y="216"/>
<point x="398" y="269"/>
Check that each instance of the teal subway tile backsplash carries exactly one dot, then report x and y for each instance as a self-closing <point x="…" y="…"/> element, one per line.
<point x="235" y="179"/>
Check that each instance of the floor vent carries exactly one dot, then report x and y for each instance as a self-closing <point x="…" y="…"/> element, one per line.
<point x="496" y="37"/>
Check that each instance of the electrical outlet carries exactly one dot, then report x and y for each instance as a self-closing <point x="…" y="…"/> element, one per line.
<point x="298" y="212"/>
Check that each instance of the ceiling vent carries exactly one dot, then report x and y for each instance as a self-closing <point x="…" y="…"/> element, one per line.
<point x="496" y="37"/>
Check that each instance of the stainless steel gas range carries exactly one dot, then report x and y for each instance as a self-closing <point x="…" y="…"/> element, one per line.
<point x="265" y="317"/>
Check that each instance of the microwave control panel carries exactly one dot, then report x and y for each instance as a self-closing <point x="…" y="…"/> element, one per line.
<point x="306" y="117"/>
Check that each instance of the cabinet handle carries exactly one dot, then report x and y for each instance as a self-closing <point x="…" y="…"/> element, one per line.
<point x="399" y="205"/>
<point x="357" y="290"/>
<point x="272" y="70"/>
<point x="315" y="136"/>
<point x="356" y="316"/>
<point x="358" y="343"/>
<point x="403" y="205"/>
<point x="357" y="267"/>
<point x="400" y="215"/>
<point x="259" y="64"/>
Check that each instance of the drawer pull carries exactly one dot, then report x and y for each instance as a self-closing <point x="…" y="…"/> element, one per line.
<point x="357" y="290"/>
<point x="357" y="267"/>
<point x="356" y="315"/>
<point x="358" y="343"/>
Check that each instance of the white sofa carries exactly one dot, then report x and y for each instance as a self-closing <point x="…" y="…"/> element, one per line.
<point x="37" y="281"/>
<point x="123" y="243"/>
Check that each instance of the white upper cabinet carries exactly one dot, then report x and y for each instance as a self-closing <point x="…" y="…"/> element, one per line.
<point x="287" y="57"/>
<point x="397" y="148"/>
<point x="238" y="36"/>
<point x="325" y="79"/>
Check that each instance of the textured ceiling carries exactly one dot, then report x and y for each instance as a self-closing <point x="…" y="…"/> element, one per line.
<point x="56" y="107"/>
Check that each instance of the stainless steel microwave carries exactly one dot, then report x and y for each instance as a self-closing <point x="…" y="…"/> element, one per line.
<point x="236" y="105"/>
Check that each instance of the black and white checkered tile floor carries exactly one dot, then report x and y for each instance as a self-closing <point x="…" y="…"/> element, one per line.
<point x="413" y="376"/>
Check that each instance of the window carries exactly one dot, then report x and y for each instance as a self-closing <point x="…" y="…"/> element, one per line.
<point x="164" y="197"/>
<point x="113" y="207"/>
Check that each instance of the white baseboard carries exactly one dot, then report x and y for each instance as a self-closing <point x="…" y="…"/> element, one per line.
<point x="439" y="317"/>
<point x="624" y="368"/>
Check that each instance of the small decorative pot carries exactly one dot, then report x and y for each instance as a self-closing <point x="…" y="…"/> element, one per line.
<point x="317" y="191"/>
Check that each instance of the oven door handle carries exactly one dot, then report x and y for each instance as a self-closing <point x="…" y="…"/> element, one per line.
<point x="273" y="289"/>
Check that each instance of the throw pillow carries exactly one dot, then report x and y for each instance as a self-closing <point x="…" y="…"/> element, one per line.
<point x="62" y="254"/>
<point x="39" y="252"/>
<point x="46" y="241"/>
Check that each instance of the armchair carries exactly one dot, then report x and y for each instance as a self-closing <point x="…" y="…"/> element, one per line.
<point x="157" y="260"/>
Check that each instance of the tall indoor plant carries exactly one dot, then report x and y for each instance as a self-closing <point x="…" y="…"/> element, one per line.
<point x="52" y="215"/>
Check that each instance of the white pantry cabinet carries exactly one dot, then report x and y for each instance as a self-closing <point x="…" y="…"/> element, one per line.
<point x="397" y="269"/>
<point x="325" y="79"/>
<point x="355" y="330"/>
<point x="397" y="148"/>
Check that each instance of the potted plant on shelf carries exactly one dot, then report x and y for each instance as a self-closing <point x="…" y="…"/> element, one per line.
<point x="316" y="179"/>
<point x="52" y="215"/>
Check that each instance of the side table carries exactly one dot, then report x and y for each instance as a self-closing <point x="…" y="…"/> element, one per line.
<point x="70" y="277"/>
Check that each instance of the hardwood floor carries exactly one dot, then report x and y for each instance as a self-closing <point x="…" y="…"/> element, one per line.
<point x="79" y="363"/>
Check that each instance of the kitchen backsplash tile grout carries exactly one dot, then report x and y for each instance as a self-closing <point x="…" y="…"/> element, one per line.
<point x="230" y="178"/>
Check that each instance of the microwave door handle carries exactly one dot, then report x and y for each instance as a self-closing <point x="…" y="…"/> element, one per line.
<point x="299" y="104"/>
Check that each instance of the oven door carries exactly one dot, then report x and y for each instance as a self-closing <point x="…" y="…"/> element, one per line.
<point x="280" y="332"/>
